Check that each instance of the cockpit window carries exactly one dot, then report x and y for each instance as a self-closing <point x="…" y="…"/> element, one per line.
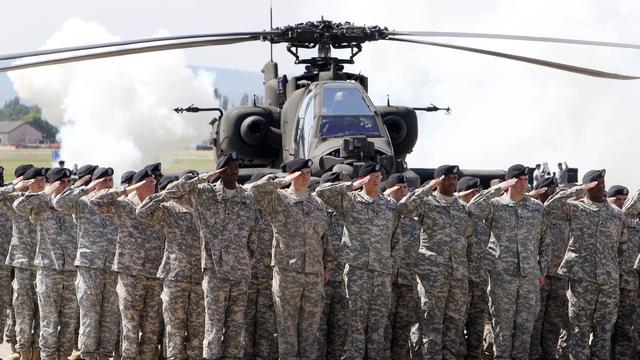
<point x="345" y="112"/>
<point x="345" y="125"/>
<point x="344" y="101"/>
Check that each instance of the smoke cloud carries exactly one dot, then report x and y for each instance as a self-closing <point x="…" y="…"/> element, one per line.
<point x="117" y="112"/>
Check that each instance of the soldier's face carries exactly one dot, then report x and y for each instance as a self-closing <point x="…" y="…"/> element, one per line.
<point x="38" y="185"/>
<point x="522" y="183"/>
<point x="304" y="179"/>
<point x="230" y="173"/>
<point x="618" y="201"/>
<point x="375" y="180"/>
<point x="106" y="183"/>
<point x="448" y="185"/>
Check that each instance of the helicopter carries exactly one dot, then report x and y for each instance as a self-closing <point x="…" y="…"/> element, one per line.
<point x="325" y="113"/>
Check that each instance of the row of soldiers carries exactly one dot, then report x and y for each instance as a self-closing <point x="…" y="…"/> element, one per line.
<point x="271" y="269"/>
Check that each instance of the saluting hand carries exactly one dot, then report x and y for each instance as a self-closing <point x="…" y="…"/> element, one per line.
<point x="83" y="180"/>
<point x="589" y="186"/>
<point x="289" y="178"/>
<point x="16" y="180"/>
<point x="360" y="182"/>
<point x="466" y="192"/>
<point x="434" y="183"/>
<point x="51" y="188"/>
<point x="505" y="185"/>
<point x="95" y="183"/>
<point x="537" y="192"/>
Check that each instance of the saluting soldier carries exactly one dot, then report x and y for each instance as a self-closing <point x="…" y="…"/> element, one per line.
<point x="302" y="256"/>
<point x="549" y="338"/>
<point x="370" y="244"/>
<point x="139" y="250"/>
<point x="442" y="262"/>
<point x="5" y="270"/>
<point x="182" y="294"/>
<point x="96" y="281"/>
<point x="21" y="254"/>
<point x="405" y="302"/>
<point x="517" y="258"/>
<point x="228" y="219"/>
<point x="54" y="259"/>
<point x="598" y="236"/>
<point x="478" y="306"/>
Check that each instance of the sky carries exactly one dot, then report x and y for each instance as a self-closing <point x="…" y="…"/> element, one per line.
<point x="503" y="112"/>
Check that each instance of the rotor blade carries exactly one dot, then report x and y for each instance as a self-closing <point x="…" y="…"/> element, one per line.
<point x="514" y="37"/>
<point x="132" y="42"/>
<point x="546" y="63"/>
<point x="122" y="52"/>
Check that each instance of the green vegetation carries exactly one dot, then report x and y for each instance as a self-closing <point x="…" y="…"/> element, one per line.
<point x="13" y="110"/>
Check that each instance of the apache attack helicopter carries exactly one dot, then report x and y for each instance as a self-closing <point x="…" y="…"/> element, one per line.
<point x="324" y="113"/>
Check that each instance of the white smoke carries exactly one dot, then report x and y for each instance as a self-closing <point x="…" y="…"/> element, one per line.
<point x="117" y="112"/>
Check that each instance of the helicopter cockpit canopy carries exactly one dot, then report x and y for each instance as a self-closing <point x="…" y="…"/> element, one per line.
<point x="345" y="111"/>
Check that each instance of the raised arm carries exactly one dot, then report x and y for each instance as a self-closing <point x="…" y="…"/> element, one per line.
<point x="631" y="207"/>
<point x="151" y="209"/>
<point x="265" y="193"/>
<point x="335" y="195"/>
<point x="181" y="191"/>
<point x="8" y="195"/>
<point x="545" y="246"/>
<point x="68" y="200"/>
<point x="412" y="204"/>
<point x="558" y="207"/>
<point x="30" y="204"/>
<point x="106" y="202"/>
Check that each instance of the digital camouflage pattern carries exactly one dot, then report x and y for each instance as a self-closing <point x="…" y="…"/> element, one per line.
<point x="517" y="255"/>
<point x="24" y="237"/>
<point x="598" y="237"/>
<point x="182" y="296"/>
<point x="25" y="307"/>
<point x="302" y="252"/>
<point x="5" y="271"/>
<point x="446" y="231"/>
<point x="371" y="249"/>
<point x="96" y="282"/>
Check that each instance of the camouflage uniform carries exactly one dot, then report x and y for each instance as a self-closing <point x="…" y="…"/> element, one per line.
<point x="227" y="225"/>
<point x="182" y="294"/>
<point x="261" y="332"/>
<point x="405" y="302"/>
<point x="553" y="318"/>
<point x="55" y="277"/>
<point x="301" y="253"/>
<point x="96" y="282"/>
<point x="517" y="255"/>
<point x="370" y="245"/>
<point x="5" y="271"/>
<point x="139" y="250"/>
<point x="478" y="308"/>
<point x="446" y="230"/>
<point x="623" y="335"/>
<point x="20" y="256"/>
<point x="332" y="332"/>
<point x="591" y="263"/>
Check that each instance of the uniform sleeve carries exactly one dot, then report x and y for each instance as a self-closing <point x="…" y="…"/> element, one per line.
<point x="329" y="256"/>
<point x="151" y="209"/>
<point x="480" y="205"/>
<point x="631" y="207"/>
<point x="397" y="250"/>
<point x="106" y="203"/>
<point x="182" y="191"/>
<point x="558" y="207"/>
<point x="7" y="197"/>
<point x="625" y="259"/>
<point x="265" y="193"/>
<point x="411" y="205"/>
<point x="544" y="249"/>
<point x="335" y="195"/>
<point x="68" y="200"/>
<point x="30" y="204"/>
<point x="254" y="234"/>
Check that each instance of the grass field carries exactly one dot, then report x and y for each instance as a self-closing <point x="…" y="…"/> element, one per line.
<point x="188" y="159"/>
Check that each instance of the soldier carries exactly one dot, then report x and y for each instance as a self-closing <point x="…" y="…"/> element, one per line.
<point x="370" y="246"/>
<point x="441" y="263"/>
<point x="517" y="258"/>
<point x="478" y="309"/>
<point x="182" y="294"/>
<point x="302" y="256"/>
<point x="623" y="334"/>
<point x="54" y="259"/>
<point x="5" y="270"/>
<point x="591" y="262"/>
<point x="127" y="177"/>
<point x="261" y="333"/>
<point x="548" y="338"/>
<point x="139" y="250"/>
<point x="332" y="332"/>
<point x="405" y="302"/>
<point x="20" y="256"/>
<point x="96" y="282"/>
<point x="228" y="219"/>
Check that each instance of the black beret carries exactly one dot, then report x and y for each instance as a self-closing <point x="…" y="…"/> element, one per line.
<point x="516" y="171"/>
<point x="546" y="182"/>
<point x="46" y="173"/>
<point x="225" y="159"/>
<point x="22" y="169"/>
<point x="368" y="168"/>
<point x="193" y="173"/>
<point x="313" y="184"/>
<point x="33" y="173"/>
<point x="593" y="175"/>
<point x="467" y="183"/>
<point x="394" y="179"/>
<point x="294" y="165"/>
<point x="617" y="190"/>
<point x="57" y="174"/>
<point x="257" y="176"/>
<point x="86" y="170"/>
<point x="331" y="177"/>
<point x="446" y="170"/>
<point x="154" y="167"/>
<point x="127" y="177"/>
<point x="141" y="175"/>
<point x="101" y="173"/>
<point x="166" y="180"/>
